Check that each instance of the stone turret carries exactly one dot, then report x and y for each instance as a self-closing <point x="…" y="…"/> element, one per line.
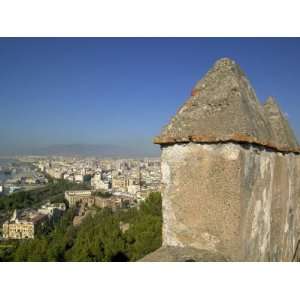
<point x="230" y="175"/>
<point x="282" y="133"/>
<point x="223" y="107"/>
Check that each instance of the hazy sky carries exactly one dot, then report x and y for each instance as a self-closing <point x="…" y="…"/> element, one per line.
<point x="122" y="91"/>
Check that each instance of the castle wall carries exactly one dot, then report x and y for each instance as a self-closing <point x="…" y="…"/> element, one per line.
<point x="230" y="174"/>
<point x="239" y="200"/>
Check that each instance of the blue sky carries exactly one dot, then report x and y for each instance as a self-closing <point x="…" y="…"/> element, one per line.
<point x="123" y="90"/>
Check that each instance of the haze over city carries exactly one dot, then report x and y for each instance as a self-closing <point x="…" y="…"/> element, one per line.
<point x="137" y="131"/>
<point x="116" y="94"/>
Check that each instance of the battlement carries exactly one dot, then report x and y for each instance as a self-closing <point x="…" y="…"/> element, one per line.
<point x="224" y="107"/>
<point x="230" y="175"/>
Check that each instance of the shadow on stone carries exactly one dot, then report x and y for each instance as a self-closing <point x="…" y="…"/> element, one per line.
<point x="183" y="254"/>
<point x="119" y="257"/>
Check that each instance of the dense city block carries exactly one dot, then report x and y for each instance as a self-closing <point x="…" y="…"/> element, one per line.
<point x="52" y="203"/>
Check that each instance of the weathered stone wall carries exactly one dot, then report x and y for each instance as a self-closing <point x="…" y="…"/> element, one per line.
<point x="230" y="174"/>
<point x="238" y="200"/>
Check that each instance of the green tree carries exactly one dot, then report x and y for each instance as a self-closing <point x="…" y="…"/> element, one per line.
<point x="98" y="238"/>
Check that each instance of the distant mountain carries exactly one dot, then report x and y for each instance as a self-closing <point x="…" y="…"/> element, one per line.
<point x="104" y="150"/>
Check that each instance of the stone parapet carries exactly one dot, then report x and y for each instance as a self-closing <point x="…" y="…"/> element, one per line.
<point x="230" y="175"/>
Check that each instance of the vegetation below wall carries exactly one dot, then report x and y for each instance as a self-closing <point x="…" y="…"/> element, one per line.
<point x="54" y="192"/>
<point x="98" y="238"/>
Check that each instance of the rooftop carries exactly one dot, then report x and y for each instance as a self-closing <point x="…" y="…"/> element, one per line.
<point x="223" y="107"/>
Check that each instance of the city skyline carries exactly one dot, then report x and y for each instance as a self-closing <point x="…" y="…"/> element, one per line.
<point x="120" y="91"/>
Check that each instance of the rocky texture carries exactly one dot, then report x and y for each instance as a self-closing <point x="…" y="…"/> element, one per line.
<point x="282" y="134"/>
<point x="241" y="201"/>
<point x="230" y="175"/>
<point x="179" y="254"/>
<point x="223" y="107"/>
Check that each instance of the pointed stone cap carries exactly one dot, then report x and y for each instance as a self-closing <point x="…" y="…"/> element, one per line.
<point x="283" y="134"/>
<point x="223" y="107"/>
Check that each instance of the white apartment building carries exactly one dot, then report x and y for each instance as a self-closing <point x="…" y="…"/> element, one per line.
<point x="51" y="209"/>
<point x="78" y="177"/>
<point x="73" y="197"/>
<point x="98" y="184"/>
<point x="133" y="189"/>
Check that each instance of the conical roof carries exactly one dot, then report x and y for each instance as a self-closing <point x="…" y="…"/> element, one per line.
<point x="223" y="107"/>
<point x="283" y="135"/>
